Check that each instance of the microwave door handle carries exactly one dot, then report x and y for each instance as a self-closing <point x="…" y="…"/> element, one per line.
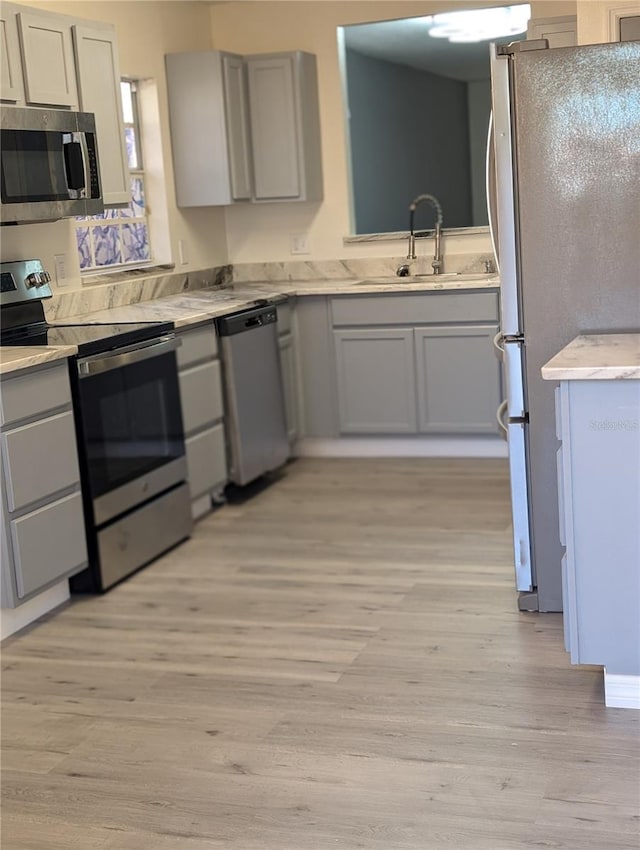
<point x="75" y="165"/>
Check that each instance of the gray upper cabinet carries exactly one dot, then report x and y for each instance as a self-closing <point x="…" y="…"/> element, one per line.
<point x="96" y="53"/>
<point x="458" y="381"/>
<point x="236" y="106"/>
<point x="285" y="126"/>
<point x="559" y="32"/>
<point x="244" y="128"/>
<point x="209" y="128"/>
<point x="42" y="516"/>
<point x="11" y="86"/>
<point x="48" y="62"/>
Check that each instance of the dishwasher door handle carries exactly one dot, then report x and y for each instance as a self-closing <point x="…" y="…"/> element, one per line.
<point x="253" y="322"/>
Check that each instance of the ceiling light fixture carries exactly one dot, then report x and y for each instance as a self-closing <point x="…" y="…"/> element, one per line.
<point x="480" y="24"/>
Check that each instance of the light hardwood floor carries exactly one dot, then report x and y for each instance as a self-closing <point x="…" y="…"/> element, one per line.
<point x="336" y="663"/>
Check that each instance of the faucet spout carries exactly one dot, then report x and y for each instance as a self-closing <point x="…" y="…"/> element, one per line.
<point x="411" y="254"/>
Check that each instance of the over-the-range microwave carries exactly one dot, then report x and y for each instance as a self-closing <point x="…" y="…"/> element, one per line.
<point x="49" y="165"/>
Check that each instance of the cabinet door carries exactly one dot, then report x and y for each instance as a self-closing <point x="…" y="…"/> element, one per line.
<point x="559" y="32"/>
<point x="48" y="65"/>
<point x="49" y="544"/>
<point x="201" y="396"/>
<point x="376" y="381"/>
<point x="10" y="70"/>
<point x="198" y="128"/>
<point x="99" y="91"/>
<point x="287" y="363"/>
<point x="458" y="379"/>
<point x="33" y="472"/>
<point x="274" y="130"/>
<point x="237" y="120"/>
<point x="206" y="461"/>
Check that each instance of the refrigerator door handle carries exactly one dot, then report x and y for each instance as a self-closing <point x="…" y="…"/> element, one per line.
<point x="500" y="418"/>
<point x="498" y="345"/>
<point x="504" y="178"/>
<point x="520" y="506"/>
<point x="491" y="191"/>
<point x="513" y="371"/>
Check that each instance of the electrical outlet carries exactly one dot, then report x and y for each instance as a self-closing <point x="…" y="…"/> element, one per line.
<point x="61" y="269"/>
<point x="299" y="243"/>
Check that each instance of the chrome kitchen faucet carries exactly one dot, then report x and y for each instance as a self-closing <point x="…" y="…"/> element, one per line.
<point x="436" y="263"/>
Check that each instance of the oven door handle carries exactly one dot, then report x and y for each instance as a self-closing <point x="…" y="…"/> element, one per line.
<point x="125" y="356"/>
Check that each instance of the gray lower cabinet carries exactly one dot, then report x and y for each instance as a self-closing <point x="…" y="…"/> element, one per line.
<point x="287" y="343"/>
<point x="410" y="364"/>
<point x="200" y="379"/>
<point x="458" y="380"/>
<point x="42" y="516"/>
<point x="599" y="503"/>
<point x="375" y="371"/>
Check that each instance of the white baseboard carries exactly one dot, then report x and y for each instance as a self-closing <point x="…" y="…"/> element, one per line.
<point x="401" y="447"/>
<point x="621" y="691"/>
<point x="14" y="619"/>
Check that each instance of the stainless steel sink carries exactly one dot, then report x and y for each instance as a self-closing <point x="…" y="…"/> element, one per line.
<point x="429" y="278"/>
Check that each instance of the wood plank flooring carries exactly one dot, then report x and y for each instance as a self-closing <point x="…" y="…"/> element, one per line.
<point x="337" y="662"/>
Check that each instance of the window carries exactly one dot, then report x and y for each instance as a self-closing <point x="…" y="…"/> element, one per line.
<point x="119" y="238"/>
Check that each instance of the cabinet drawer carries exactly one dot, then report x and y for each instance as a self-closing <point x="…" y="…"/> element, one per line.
<point x="206" y="461"/>
<point x="49" y="544"/>
<point x="201" y="396"/>
<point x="432" y="307"/>
<point x="34" y="392"/>
<point x="284" y="318"/>
<point x="40" y="459"/>
<point x="197" y="344"/>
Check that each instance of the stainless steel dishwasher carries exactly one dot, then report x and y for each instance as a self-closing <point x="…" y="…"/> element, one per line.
<point x="255" y="409"/>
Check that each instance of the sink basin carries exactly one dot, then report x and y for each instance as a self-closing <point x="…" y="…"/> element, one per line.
<point x="430" y="278"/>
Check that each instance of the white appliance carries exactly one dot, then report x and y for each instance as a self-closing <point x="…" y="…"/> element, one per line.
<point x="564" y="199"/>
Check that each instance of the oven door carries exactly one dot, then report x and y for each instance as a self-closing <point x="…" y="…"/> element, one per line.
<point x="130" y="425"/>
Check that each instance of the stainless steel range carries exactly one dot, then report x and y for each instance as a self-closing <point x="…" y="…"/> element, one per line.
<point x="129" y="428"/>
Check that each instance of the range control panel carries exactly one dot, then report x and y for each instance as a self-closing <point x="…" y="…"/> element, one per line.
<point x="24" y="280"/>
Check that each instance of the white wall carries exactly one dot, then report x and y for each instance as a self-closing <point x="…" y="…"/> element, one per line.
<point x="595" y="18"/>
<point x="146" y="31"/>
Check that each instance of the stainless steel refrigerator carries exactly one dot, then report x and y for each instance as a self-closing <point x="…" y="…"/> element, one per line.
<point x="564" y="195"/>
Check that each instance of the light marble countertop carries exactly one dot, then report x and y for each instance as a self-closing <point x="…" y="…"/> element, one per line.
<point x="189" y="308"/>
<point x="195" y="306"/>
<point x="13" y="358"/>
<point x="596" y="357"/>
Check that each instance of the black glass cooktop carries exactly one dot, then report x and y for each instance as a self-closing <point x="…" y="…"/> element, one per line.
<point x="90" y="339"/>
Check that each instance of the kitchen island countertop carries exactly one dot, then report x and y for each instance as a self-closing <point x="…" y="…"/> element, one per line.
<point x="596" y="357"/>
